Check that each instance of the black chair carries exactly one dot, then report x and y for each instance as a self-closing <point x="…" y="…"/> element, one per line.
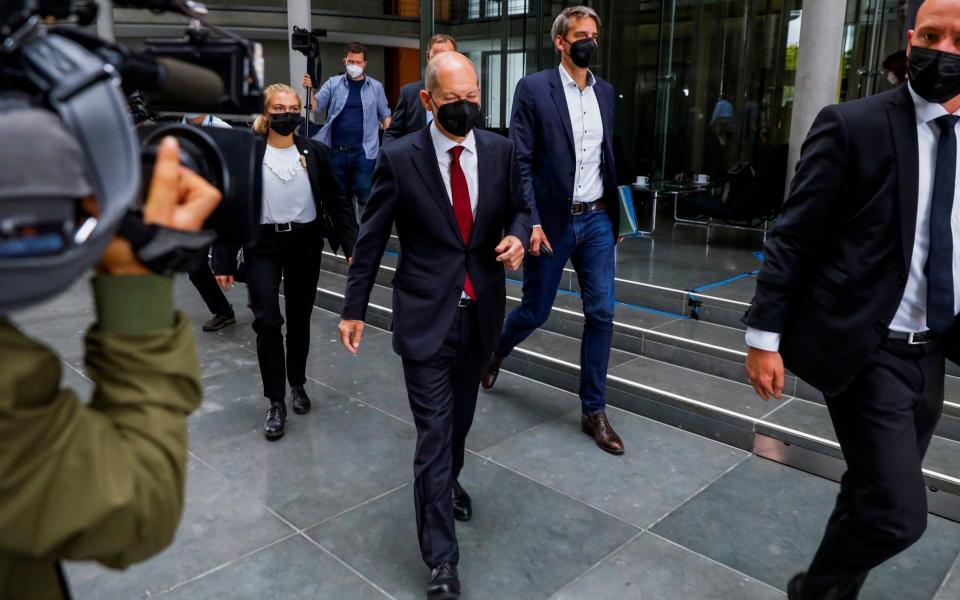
<point x="752" y="194"/>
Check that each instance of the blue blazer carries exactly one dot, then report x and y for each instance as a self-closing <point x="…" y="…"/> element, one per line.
<point x="542" y="134"/>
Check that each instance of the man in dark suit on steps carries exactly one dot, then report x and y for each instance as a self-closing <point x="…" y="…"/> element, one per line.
<point x="410" y="116"/>
<point x="858" y="296"/>
<point x="454" y="194"/>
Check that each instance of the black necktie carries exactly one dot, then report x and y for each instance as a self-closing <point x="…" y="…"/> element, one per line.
<point x="940" y="302"/>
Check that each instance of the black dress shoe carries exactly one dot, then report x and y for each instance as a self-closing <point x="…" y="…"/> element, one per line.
<point x="490" y="375"/>
<point x="795" y="587"/>
<point x="276" y="416"/>
<point x="301" y="402"/>
<point x="444" y="583"/>
<point x="462" y="507"/>
<point x="218" y="322"/>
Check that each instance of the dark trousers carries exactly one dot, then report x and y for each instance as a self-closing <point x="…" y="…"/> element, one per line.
<point x="354" y="172"/>
<point x="202" y="278"/>
<point x="294" y="256"/>
<point x="443" y="395"/>
<point x="884" y="422"/>
<point x="588" y="243"/>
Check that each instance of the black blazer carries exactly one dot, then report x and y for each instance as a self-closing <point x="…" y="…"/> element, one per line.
<point x="541" y="130"/>
<point x="409" y="115"/>
<point x="408" y="191"/>
<point x="836" y="264"/>
<point x="335" y="214"/>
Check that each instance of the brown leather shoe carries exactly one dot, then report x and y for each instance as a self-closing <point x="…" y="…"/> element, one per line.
<point x="598" y="427"/>
<point x="493" y="369"/>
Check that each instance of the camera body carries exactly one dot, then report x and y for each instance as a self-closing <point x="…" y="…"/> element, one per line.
<point x="307" y="42"/>
<point x="50" y="63"/>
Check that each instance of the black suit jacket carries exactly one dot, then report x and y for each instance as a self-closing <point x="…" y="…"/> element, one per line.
<point x="408" y="191"/>
<point x="409" y="115"/>
<point x="836" y="265"/>
<point x="335" y="214"/>
<point x="541" y="129"/>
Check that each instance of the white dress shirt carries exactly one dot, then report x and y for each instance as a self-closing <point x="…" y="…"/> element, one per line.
<point x="468" y="162"/>
<point x="911" y="315"/>
<point x="587" y="137"/>
<point x="287" y="195"/>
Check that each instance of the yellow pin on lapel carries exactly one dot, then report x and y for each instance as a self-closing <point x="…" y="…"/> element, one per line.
<point x="303" y="161"/>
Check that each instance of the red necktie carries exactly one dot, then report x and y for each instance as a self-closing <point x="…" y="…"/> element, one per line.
<point x="461" y="206"/>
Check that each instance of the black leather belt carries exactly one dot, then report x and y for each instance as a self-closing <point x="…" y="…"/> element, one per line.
<point x="342" y="148"/>
<point x="284" y="227"/>
<point x="914" y="338"/>
<point x="579" y="208"/>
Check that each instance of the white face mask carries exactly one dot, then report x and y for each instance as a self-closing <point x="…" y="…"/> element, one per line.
<point x="892" y="78"/>
<point x="354" y="71"/>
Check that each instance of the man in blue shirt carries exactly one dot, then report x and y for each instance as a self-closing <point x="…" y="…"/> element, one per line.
<point x="356" y="109"/>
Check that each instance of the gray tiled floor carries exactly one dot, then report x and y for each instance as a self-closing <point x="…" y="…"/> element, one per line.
<point x="327" y="512"/>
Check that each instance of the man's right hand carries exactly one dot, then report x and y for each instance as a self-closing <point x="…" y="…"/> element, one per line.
<point x="307" y="82"/>
<point x="225" y="281"/>
<point x="350" y="332"/>
<point x="178" y="198"/>
<point x="765" y="370"/>
<point x="537" y="237"/>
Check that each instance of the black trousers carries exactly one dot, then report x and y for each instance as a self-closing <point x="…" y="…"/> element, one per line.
<point x="443" y="396"/>
<point x="884" y="422"/>
<point x="293" y="256"/>
<point x="202" y="278"/>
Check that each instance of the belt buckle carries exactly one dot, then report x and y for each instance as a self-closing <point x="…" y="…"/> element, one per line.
<point x="283" y="227"/>
<point x="464" y="302"/>
<point x="577" y="208"/>
<point x="913" y="341"/>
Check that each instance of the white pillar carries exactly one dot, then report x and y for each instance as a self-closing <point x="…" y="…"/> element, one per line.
<point x="105" y="20"/>
<point x="298" y="13"/>
<point x="818" y="68"/>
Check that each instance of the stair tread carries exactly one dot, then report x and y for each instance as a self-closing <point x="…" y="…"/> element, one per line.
<point x="811" y="418"/>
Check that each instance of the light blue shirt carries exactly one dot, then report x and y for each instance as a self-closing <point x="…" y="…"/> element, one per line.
<point x="333" y="95"/>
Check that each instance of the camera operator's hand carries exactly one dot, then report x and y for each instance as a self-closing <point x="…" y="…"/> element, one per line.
<point x="307" y="82"/>
<point x="178" y="198"/>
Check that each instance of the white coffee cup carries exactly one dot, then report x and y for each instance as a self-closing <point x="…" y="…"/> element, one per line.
<point x="643" y="180"/>
<point x="701" y="179"/>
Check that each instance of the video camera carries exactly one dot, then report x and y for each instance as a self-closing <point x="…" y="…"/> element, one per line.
<point x="307" y="42"/>
<point x="49" y="62"/>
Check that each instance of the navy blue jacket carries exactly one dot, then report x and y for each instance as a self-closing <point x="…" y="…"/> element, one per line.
<point x="408" y="193"/>
<point x="542" y="133"/>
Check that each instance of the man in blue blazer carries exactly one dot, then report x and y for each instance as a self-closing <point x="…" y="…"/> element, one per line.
<point x="562" y="128"/>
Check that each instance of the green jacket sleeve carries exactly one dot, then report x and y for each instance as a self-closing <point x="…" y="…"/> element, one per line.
<point x="104" y="481"/>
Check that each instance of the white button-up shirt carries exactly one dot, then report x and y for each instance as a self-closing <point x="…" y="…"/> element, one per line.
<point x="587" y="137"/>
<point x="468" y="162"/>
<point x="911" y="316"/>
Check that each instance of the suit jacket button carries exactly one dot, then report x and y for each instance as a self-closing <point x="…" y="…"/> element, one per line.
<point x="880" y="326"/>
<point x="902" y="279"/>
<point x="457" y="289"/>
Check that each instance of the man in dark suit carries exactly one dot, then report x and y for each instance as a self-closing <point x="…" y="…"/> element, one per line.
<point x="858" y="296"/>
<point x="449" y="289"/>
<point x="562" y="127"/>
<point x="409" y="115"/>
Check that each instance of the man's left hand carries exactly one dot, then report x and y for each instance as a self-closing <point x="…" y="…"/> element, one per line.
<point x="510" y="252"/>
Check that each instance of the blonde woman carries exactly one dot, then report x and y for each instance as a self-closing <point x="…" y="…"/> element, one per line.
<point x="302" y="205"/>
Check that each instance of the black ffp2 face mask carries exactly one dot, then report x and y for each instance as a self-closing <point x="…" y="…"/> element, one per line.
<point x="460" y="117"/>
<point x="582" y="52"/>
<point x="285" y="123"/>
<point x="934" y="75"/>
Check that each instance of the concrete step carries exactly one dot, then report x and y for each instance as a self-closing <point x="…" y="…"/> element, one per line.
<point x="714" y="406"/>
<point x="698" y="345"/>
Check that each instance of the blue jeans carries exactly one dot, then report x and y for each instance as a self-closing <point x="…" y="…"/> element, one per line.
<point x="354" y="171"/>
<point x="589" y="244"/>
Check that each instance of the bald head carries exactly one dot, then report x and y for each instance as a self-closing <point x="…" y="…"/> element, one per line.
<point x="937" y="26"/>
<point x="449" y="69"/>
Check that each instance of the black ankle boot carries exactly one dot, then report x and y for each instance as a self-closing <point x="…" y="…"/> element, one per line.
<point x="276" y="417"/>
